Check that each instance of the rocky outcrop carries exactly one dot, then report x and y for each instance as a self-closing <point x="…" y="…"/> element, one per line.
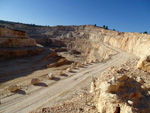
<point x="16" y="44"/>
<point x="93" y="51"/>
<point x="15" y="38"/>
<point x="60" y="62"/>
<point x="49" y="56"/>
<point x="123" y="93"/>
<point x="124" y="88"/>
<point x="144" y="63"/>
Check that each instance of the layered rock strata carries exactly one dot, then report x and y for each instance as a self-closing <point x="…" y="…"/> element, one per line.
<point x="16" y="44"/>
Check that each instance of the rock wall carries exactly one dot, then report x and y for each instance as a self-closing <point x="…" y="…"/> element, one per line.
<point x="11" y="33"/>
<point x="50" y="42"/>
<point x="135" y="43"/>
<point x="19" y="53"/>
<point x="93" y="51"/>
<point x="16" y="42"/>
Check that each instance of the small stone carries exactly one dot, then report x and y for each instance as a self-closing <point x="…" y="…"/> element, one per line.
<point x="60" y="73"/>
<point x="130" y="102"/>
<point x="140" y="80"/>
<point x="68" y="70"/>
<point x="85" y="62"/>
<point x="50" y="76"/>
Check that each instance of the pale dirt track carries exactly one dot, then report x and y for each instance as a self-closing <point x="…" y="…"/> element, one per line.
<point x="46" y="95"/>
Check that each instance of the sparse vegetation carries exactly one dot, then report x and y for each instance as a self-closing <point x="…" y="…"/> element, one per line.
<point x="104" y="26"/>
<point x="145" y="32"/>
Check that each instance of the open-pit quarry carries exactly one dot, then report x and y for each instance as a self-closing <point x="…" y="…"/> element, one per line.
<point x="73" y="69"/>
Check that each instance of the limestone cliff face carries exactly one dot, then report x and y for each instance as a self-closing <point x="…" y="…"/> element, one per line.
<point x="16" y="44"/>
<point x="5" y="32"/>
<point x="93" y="51"/>
<point x="135" y="43"/>
<point x="19" y="53"/>
<point x="15" y="38"/>
<point x="50" y="42"/>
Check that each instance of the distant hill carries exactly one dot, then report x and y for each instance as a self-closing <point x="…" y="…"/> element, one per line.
<point x="12" y="23"/>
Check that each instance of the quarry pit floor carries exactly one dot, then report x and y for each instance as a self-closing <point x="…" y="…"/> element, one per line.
<point x="48" y="92"/>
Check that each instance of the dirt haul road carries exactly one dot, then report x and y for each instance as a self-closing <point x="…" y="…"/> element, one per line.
<point x="46" y="95"/>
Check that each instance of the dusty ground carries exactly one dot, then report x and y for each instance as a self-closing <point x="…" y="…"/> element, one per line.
<point x="49" y="92"/>
<point x="81" y="102"/>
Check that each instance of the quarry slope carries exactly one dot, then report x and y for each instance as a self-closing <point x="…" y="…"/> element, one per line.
<point x="48" y="95"/>
<point x="79" y="44"/>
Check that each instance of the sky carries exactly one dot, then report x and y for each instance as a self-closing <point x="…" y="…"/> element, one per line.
<point x="121" y="15"/>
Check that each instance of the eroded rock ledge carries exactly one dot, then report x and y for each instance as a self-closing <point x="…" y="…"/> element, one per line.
<point x="122" y="90"/>
<point x="16" y="44"/>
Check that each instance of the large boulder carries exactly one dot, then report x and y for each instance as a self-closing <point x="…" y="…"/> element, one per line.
<point x="51" y="55"/>
<point x="144" y="63"/>
<point x="35" y="81"/>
